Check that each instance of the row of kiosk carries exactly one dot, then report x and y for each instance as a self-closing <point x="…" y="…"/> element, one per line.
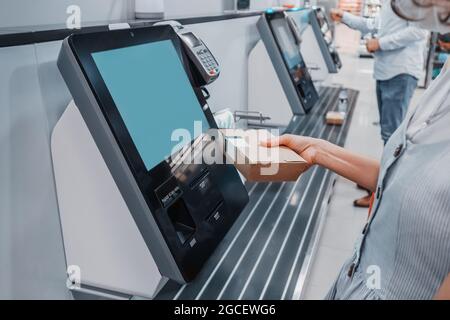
<point x="132" y="214"/>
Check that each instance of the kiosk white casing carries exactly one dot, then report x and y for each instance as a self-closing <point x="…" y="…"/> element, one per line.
<point x="265" y="92"/>
<point x="314" y="59"/>
<point x="100" y="235"/>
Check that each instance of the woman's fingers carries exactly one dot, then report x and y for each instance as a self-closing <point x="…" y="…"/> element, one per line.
<point x="275" y="142"/>
<point x="270" y="143"/>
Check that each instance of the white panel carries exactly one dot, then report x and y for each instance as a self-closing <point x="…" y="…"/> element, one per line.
<point x="265" y="93"/>
<point x="100" y="235"/>
<point x="312" y="55"/>
<point x="55" y="95"/>
<point x="31" y="254"/>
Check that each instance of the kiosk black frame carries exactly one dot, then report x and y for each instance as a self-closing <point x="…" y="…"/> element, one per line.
<point x="212" y="195"/>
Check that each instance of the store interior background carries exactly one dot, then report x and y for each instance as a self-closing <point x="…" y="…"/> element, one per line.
<point x="343" y="222"/>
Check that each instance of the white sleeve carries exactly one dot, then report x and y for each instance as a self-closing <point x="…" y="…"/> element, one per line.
<point x="365" y="25"/>
<point x="402" y="38"/>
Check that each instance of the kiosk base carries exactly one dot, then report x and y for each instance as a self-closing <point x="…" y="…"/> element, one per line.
<point x="106" y="255"/>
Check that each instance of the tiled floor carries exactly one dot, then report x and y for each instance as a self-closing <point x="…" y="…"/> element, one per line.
<point x="344" y="222"/>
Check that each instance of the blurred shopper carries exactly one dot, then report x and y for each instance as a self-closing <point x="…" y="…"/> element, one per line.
<point x="399" y="59"/>
<point x="404" y="249"/>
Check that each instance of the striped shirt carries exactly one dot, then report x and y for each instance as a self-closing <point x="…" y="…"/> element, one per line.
<point x="404" y="251"/>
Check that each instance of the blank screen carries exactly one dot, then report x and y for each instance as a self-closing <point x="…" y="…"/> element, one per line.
<point x="153" y="95"/>
<point x="289" y="48"/>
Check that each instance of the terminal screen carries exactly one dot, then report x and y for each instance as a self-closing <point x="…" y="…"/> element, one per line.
<point x="154" y="97"/>
<point x="289" y="48"/>
<point x="290" y="52"/>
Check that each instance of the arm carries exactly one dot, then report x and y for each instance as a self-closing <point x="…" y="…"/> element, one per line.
<point x="357" y="168"/>
<point x="444" y="291"/>
<point x="402" y="38"/>
<point x="364" y="25"/>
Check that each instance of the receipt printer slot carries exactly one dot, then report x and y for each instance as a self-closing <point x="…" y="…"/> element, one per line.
<point x="182" y="220"/>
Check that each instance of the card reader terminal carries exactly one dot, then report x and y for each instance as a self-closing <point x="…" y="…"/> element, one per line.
<point x="198" y="51"/>
<point x="206" y="66"/>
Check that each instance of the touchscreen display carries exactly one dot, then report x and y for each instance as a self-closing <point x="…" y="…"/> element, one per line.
<point x="153" y="98"/>
<point x="287" y="43"/>
<point x="294" y="62"/>
<point x="290" y="51"/>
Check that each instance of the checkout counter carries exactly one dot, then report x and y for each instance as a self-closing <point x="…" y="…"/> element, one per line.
<point x="274" y="239"/>
<point x="267" y="253"/>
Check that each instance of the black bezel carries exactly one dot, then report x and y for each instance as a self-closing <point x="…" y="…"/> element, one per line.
<point x="83" y="45"/>
<point x="282" y="15"/>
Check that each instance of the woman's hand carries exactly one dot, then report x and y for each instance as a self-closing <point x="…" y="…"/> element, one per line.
<point x="444" y="291"/>
<point x="336" y="15"/>
<point x="357" y="168"/>
<point x="306" y="147"/>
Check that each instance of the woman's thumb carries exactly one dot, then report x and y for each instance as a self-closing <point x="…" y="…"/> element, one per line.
<point x="273" y="142"/>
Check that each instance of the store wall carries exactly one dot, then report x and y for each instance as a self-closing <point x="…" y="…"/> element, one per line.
<point x="15" y="13"/>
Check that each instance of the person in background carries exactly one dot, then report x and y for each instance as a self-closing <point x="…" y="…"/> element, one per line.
<point x="399" y="59"/>
<point x="404" y="249"/>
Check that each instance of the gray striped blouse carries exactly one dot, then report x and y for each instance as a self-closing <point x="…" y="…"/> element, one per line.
<point x="404" y="250"/>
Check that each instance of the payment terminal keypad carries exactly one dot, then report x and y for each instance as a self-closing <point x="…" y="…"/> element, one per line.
<point x="208" y="61"/>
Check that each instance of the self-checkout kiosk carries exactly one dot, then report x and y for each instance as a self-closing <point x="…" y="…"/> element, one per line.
<point x="289" y="63"/>
<point x="280" y="84"/>
<point x="132" y="214"/>
<point x="317" y="36"/>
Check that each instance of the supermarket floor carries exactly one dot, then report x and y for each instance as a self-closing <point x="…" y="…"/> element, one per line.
<point x="344" y="222"/>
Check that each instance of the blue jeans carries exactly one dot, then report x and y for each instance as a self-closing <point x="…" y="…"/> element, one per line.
<point x="393" y="98"/>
